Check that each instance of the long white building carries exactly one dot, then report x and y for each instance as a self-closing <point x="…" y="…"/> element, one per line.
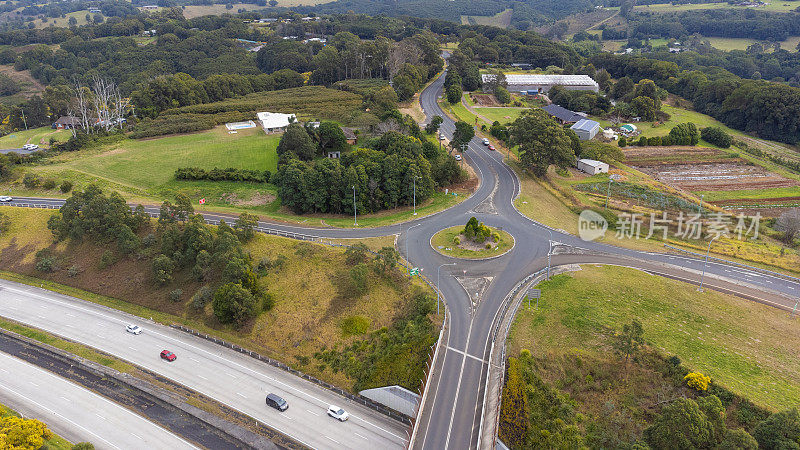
<point x="534" y="83"/>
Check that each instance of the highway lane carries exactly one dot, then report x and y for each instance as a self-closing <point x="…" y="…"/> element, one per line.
<point x="76" y="413"/>
<point x="229" y="377"/>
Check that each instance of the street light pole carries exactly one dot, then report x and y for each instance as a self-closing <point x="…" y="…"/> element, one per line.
<point x="700" y="205"/>
<point x="608" y="191"/>
<point x="438" y="290"/>
<point x="355" y="209"/>
<point x="706" y="263"/>
<point x="415" y="194"/>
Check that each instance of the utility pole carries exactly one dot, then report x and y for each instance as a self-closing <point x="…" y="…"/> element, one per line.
<point x="415" y="194"/>
<point x="700" y="205"/>
<point x="700" y="289"/>
<point x="355" y="211"/>
<point x="438" y="290"/>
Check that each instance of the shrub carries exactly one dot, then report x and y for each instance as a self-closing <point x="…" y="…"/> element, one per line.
<point x="106" y="259"/>
<point x="46" y="264"/>
<point x="30" y="180"/>
<point x="162" y="269"/>
<point x="49" y="184"/>
<point x="175" y="295"/>
<point x="268" y="302"/>
<point x="66" y="186"/>
<point x="642" y="142"/>
<point x="488" y="245"/>
<point x="716" y="136"/>
<point x="623" y="142"/>
<point x="684" y="134"/>
<point x="234" y="303"/>
<point x="697" y="380"/>
<point x="201" y="297"/>
<point x="456" y="241"/>
<point x="355" y="325"/>
<point x="74" y="270"/>
<point x="229" y="174"/>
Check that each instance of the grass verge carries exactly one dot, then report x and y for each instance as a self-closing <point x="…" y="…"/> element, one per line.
<point x="444" y="243"/>
<point x="54" y="443"/>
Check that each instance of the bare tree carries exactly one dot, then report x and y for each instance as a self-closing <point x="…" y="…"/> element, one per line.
<point x="789" y="224"/>
<point x="82" y="104"/>
<point x="108" y="105"/>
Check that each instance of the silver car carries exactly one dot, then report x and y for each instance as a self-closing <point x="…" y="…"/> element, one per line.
<point x="338" y="413"/>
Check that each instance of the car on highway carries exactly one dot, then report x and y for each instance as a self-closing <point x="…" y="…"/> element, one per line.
<point x="486" y="141"/>
<point x="491" y="147"/>
<point x="133" y="329"/>
<point x="6" y="199"/>
<point x="458" y="157"/>
<point x="338" y="413"/>
<point x="168" y="355"/>
<point x="30" y="147"/>
<point x="277" y="402"/>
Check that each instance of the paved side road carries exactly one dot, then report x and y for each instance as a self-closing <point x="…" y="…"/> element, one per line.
<point x="226" y="376"/>
<point x="76" y="413"/>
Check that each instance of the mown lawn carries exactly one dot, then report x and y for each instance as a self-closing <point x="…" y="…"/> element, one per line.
<point x="773" y="6"/>
<point x="37" y="136"/>
<point x="502" y="115"/>
<point x="748" y="347"/>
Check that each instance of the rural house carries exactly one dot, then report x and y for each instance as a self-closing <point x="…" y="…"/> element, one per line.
<point x="275" y="122"/>
<point x="66" y="122"/>
<point x="350" y="135"/>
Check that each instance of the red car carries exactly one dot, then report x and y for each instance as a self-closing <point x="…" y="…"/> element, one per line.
<point x="491" y="147"/>
<point x="168" y="355"/>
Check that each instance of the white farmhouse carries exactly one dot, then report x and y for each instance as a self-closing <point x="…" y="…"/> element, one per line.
<point x="274" y="122"/>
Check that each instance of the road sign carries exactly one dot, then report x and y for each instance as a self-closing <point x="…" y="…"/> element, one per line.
<point x="414" y="271"/>
<point x="534" y="293"/>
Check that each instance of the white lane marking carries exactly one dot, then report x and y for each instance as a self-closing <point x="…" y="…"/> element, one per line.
<point x="132" y="348"/>
<point x="31" y="382"/>
<point x="362" y="437"/>
<point x="101" y="417"/>
<point x="136" y="436"/>
<point x="312" y="412"/>
<point x="200" y="376"/>
<point x="41" y="317"/>
<point x="458" y="389"/>
<point x="241" y="395"/>
<point x="65" y="398"/>
<point x="256" y="374"/>
<point x="195" y="360"/>
<point x="465" y="353"/>
<point x="334" y="440"/>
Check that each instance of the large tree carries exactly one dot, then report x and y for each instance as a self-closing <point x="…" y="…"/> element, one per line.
<point x="331" y="138"/>
<point x="542" y="141"/>
<point x="463" y="134"/>
<point x="297" y="141"/>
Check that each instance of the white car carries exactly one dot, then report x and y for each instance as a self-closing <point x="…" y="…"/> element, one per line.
<point x="441" y="136"/>
<point x="338" y="413"/>
<point x="458" y="157"/>
<point x="485" y="141"/>
<point x="6" y="199"/>
<point x="30" y="147"/>
<point x="134" y="329"/>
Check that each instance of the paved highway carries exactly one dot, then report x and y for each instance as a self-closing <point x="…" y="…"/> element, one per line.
<point x="76" y="413"/>
<point x="229" y="377"/>
<point x="450" y="418"/>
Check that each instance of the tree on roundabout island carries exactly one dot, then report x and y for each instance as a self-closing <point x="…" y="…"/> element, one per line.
<point x="477" y="233"/>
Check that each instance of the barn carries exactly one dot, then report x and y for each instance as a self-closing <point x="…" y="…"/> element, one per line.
<point x="543" y="83"/>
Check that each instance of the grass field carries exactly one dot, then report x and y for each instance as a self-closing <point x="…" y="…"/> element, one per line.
<point x="502" y="115"/>
<point x="748" y="347"/>
<point x="501" y="19"/>
<point x="54" y="443"/>
<point x="80" y="17"/>
<point x="728" y="44"/>
<point x="711" y="196"/>
<point x="40" y="136"/>
<point x="443" y="242"/>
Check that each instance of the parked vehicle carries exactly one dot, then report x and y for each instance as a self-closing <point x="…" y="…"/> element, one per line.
<point x="168" y="355"/>
<point x="6" y="199"/>
<point x="486" y="141"/>
<point x="338" y="413"/>
<point x="491" y="147"/>
<point x="277" y="402"/>
<point x="30" y="147"/>
<point x="458" y="157"/>
<point x="133" y="329"/>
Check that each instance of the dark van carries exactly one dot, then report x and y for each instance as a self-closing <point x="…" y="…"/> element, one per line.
<point x="277" y="402"/>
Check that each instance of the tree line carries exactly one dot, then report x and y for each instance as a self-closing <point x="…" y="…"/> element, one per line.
<point x="380" y="176"/>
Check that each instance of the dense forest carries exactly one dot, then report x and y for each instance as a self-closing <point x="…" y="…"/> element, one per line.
<point x="732" y="23"/>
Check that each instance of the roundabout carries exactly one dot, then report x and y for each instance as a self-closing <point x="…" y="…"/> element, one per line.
<point x="457" y="242"/>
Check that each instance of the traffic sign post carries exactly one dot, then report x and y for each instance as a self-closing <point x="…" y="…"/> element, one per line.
<point x="534" y="293"/>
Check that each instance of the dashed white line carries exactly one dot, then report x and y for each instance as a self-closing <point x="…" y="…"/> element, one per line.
<point x="200" y="376"/>
<point x="362" y="437"/>
<point x="312" y="412"/>
<point x="334" y="440"/>
<point x="31" y="382"/>
<point x="241" y="395"/>
<point x="132" y="348"/>
<point x="195" y="360"/>
<point x="136" y="436"/>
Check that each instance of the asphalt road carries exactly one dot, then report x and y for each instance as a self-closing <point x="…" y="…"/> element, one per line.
<point x="450" y="418"/>
<point x="231" y="378"/>
<point x="76" y="413"/>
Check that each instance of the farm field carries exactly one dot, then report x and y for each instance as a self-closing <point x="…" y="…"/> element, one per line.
<point x="40" y="136"/>
<point x="80" y="17"/>
<point x="743" y="345"/>
<point x="728" y="44"/>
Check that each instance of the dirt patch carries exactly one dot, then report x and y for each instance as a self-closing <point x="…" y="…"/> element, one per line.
<point x="484" y="100"/>
<point x="258" y="199"/>
<point x="473" y="246"/>
<point x="468" y="185"/>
